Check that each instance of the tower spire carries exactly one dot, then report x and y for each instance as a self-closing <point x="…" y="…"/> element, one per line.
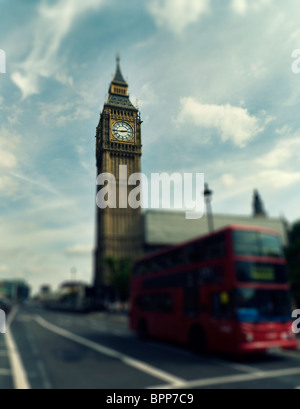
<point x="118" y="78"/>
<point x="118" y="90"/>
<point x="258" y="206"/>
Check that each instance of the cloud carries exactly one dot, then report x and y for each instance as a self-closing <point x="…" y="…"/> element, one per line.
<point x="62" y="114"/>
<point x="281" y="163"/>
<point x="274" y="173"/>
<point x="26" y="82"/>
<point x="278" y="179"/>
<point x="147" y="96"/>
<point x="8" y="186"/>
<point x="241" y="7"/>
<point x="9" y="141"/>
<point x="40" y="182"/>
<point x="233" y="123"/>
<point x="83" y="155"/>
<point x="78" y="251"/>
<point x="4" y="268"/>
<point x="176" y="15"/>
<point x="53" y="23"/>
<point x="7" y="160"/>
<point x="228" y="179"/>
<point x="284" y="151"/>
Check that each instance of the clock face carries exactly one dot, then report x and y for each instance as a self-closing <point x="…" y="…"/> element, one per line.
<point x="122" y="131"/>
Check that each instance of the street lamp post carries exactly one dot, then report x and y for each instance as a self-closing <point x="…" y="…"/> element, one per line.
<point x="207" y="196"/>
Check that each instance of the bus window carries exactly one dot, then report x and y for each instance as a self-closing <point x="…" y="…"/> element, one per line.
<point x="249" y="271"/>
<point x="161" y="302"/>
<point x="256" y="244"/>
<point x="245" y="243"/>
<point x="211" y="274"/>
<point x="160" y="263"/>
<point x="222" y="306"/>
<point x="257" y="305"/>
<point x="191" y="295"/>
<point x="195" y="251"/>
<point x="136" y="269"/>
<point x="270" y="245"/>
<point x="215" y="247"/>
<point x="164" y="302"/>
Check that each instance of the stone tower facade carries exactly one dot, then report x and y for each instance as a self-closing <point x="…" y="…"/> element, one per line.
<point x="118" y="143"/>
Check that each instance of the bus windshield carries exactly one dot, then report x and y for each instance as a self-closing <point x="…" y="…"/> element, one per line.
<point x="254" y="243"/>
<point x="254" y="305"/>
<point x="258" y="272"/>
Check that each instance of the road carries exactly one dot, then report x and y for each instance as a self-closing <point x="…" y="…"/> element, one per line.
<point x="54" y="350"/>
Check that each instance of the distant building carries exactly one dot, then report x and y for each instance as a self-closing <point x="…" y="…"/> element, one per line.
<point x="45" y="289"/>
<point x="164" y="228"/>
<point x="44" y="293"/>
<point x="73" y="286"/>
<point x="70" y="296"/>
<point x="16" y="290"/>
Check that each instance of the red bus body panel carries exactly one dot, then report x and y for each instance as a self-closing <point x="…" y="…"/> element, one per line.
<point x="221" y="334"/>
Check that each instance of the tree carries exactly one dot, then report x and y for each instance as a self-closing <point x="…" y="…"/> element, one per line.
<point x="119" y="275"/>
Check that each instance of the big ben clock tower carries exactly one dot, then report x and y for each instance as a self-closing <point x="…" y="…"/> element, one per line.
<point x="118" y="142"/>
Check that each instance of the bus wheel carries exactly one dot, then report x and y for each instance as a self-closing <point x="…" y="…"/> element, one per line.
<point x="197" y="340"/>
<point x="143" y="330"/>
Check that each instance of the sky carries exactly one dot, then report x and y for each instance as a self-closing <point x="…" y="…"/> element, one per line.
<point x="214" y="83"/>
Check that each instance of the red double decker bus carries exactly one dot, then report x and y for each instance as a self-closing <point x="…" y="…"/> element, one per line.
<point x="227" y="291"/>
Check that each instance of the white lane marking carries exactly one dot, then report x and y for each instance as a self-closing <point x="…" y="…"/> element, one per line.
<point x="135" y="363"/>
<point x="231" y="379"/>
<point x="19" y="375"/>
